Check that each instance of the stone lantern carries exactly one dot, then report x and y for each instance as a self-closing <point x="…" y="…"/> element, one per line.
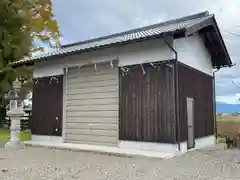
<point x="15" y="113"/>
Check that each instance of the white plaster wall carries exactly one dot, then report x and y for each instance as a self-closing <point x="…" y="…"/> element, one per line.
<point x="205" y="142"/>
<point x="168" y="148"/>
<point x="148" y="146"/>
<point x="183" y="147"/>
<point x="49" y="70"/>
<point x="141" y="52"/>
<point x="192" y="52"/>
<point x="199" y="143"/>
<point x="153" y="51"/>
<point x="54" y="139"/>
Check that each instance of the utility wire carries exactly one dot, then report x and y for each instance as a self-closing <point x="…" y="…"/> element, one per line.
<point x="235" y="34"/>
<point x="236" y="84"/>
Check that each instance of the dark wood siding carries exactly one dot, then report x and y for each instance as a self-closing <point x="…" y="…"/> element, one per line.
<point x="198" y="85"/>
<point x="147" y="104"/>
<point x="47" y="105"/>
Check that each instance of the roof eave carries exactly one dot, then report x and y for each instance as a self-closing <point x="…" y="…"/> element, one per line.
<point x="20" y="63"/>
<point x="198" y="26"/>
<point x="230" y="64"/>
<point x="211" y="22"/>
<point x="32" y="61"/>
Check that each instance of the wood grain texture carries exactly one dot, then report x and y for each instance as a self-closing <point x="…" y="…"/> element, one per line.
<point x="47" y="105"/>
<point x="147" y="105"/>
<point x="196" y="85"/>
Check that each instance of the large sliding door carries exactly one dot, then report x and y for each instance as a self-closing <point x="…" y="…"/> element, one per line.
<point x="92" y="105"/>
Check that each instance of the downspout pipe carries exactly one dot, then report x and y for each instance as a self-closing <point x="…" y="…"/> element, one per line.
<point x="176" y="87"/>
<point x="65" y="104"/>
<point x="214" y="103"/>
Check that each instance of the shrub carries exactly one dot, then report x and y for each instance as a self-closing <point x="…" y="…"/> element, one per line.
<point x="230" y="131"/>
<point x="228" y="128"/>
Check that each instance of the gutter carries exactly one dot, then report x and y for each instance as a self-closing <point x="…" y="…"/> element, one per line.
<point x="214" y="104"/>
<point x="176" y="87"/>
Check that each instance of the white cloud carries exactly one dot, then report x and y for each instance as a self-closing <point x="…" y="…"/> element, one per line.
<point x="230" y="99"/>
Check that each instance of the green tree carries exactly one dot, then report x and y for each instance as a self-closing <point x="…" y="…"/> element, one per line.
<point x="22" y="24"/>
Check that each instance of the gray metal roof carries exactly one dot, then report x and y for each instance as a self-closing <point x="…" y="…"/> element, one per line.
<point x="144" y="32"/>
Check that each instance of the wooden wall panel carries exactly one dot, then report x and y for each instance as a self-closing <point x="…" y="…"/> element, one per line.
<point x="198" y="85"/>
<point x="147" y="104"/>
<point x="47" y="105"/>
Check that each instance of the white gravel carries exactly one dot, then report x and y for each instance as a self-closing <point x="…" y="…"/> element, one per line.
<point x="49" y="164"/>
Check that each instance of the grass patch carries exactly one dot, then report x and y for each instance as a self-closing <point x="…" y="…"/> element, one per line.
<point x="4" y="134"/>
<point x="228" y="118"/>
<point x="221" y="139"/>
<point x="228" y="128"/>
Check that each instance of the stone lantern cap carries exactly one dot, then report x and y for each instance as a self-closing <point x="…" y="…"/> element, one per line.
<point x="16" y="93"/>
<point x="16" y="84"/>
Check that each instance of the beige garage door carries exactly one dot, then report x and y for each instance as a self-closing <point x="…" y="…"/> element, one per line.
<point x="92" y="105"/>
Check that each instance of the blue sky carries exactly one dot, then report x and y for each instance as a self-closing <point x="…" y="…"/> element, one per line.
<point x="80" y="20"/>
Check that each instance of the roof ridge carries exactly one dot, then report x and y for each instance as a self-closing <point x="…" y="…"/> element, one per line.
<point x="184" y="18"/>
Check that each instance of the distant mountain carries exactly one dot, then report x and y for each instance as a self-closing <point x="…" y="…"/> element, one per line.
<point x="227" y="108"/>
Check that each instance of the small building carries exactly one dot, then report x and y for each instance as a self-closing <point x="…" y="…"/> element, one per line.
<point x="150" y="88"/>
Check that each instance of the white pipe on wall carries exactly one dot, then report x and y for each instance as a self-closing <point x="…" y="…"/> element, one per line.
<point x="64" y="104"/>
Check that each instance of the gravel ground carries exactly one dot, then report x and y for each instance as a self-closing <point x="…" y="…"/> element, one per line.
<point x="2" y="144"/>
<point x="41" y="163"/>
